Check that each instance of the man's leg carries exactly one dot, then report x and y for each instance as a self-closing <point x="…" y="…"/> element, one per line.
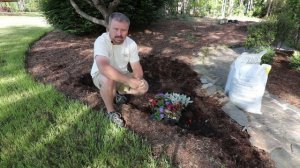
<point x="107" y="92"/>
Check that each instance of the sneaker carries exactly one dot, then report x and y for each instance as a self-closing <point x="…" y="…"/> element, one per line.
<point x="116" y="118"/>
<point x="120" y="99"/>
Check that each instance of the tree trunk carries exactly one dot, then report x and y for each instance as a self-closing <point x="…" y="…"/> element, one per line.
<point x="101" y="7"/>
<point x="269" y="7"/>
<point x="21" y="5"/>
<point x="241" y="2"/>
<point x="223" y="11"/>
<point x="230" y="8"/>
<point x="297" y="37"/>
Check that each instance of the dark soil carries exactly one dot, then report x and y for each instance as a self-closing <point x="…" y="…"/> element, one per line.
<point x="205" y="136"/>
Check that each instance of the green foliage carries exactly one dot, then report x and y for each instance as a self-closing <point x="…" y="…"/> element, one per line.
<point x="32" y="5"/>
<point x="239" y="10"/>
<point x="61" y="15"/>
<point x="141" y="13"/>
<point x="293" y="11"/>
<point x="268" y="57"/>
<point x="12" y="6"/>
<point x="261" y="34"/>
<point x="284" y="26"/>
<point x="295" y="60"/>
<point x="258" y="8"/>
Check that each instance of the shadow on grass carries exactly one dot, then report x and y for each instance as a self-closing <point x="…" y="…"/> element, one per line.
<point x="40" y="127"/>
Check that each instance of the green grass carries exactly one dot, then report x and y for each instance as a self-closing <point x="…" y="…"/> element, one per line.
<point x="40" y="127"/>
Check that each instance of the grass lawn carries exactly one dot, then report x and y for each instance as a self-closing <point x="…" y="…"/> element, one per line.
<point x="40" y="127"/>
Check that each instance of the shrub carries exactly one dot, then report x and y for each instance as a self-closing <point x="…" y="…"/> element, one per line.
<point x="141" y="13"/>
<point x="284" y="27"/>
<point x="4" y="9"/>
<point x="261" y="34"/>
<point x="62" y="15"/>
<point x="295" y="61"/>
<point x="268" y="57"/>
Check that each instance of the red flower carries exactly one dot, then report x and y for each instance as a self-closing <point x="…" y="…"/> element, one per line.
<point x="169" y="107"/>
<point x="152" y="102"/>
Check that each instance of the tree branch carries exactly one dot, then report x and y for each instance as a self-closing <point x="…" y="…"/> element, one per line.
<point x="113" y="5"/>
<point x="86" y="16"/>
<point x="101" y="7"/>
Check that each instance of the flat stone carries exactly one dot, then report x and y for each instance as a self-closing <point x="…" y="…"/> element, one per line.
<point x="211" y="91"/>
<point x="236" y="114"/>
<point x="266" y="99"/>
<point x="224" y="99"/>
<point x="293" y="132"/>
<point x="296" y="149"/>
<point x="283" y="159"/>
<point x="263" y="140"/>
<point x="205" y="86"/>
<point x="204" y="80"/>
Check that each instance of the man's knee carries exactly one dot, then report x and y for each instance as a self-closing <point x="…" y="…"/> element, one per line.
<point x="106" y="82"/>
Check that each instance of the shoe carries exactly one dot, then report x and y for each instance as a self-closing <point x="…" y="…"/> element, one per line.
<point x="120" y="99"/>
<point x="116" y="118"/>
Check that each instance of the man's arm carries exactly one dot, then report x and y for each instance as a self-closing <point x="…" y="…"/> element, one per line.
<point x="110" y="72"/>
<point x="137" y="70"/>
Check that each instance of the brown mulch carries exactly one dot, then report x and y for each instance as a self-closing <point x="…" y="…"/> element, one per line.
<point x="284" y="81"/>
<point x="205" y="136"/>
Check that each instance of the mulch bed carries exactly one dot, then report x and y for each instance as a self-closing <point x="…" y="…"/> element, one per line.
<point x="204" y="137"/>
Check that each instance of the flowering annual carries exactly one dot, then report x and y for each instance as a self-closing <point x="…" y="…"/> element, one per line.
<point x="168" y="105"/>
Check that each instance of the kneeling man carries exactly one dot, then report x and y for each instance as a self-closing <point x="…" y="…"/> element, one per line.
<point x="113" y="51"/>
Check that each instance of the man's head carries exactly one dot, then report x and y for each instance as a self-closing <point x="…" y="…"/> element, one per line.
<point x="118" y="26"/>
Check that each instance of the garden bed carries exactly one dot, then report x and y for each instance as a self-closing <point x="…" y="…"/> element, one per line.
<point x="204" y="137"/>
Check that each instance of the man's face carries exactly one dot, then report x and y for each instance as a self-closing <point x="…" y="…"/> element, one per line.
<point x="118" y="31"/>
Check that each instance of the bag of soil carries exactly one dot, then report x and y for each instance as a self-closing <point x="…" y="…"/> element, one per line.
<point x="247" y="81"/>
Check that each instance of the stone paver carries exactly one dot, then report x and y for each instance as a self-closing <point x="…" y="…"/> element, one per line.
<point x="276" y="130"/>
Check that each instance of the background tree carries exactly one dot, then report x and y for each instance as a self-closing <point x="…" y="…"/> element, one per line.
<point x="104" y="8"/>
<point x="85" y="16"/>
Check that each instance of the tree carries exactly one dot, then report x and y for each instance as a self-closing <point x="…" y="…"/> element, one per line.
<point x="223" y="10"/>
<point x="85" y="16"/>
<point x="269" y="7"/>
<point x="100" y="6"/>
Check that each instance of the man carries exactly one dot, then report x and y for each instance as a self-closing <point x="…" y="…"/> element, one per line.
<point x="113" y="51"/>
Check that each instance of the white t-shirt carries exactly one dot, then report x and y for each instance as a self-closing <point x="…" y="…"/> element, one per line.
<point x="119" y="55"/>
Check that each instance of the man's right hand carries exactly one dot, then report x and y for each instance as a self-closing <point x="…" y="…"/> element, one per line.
<point x="135" y="83"/>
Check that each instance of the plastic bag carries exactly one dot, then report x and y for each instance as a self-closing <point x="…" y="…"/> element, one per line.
<point x="246" y="82"/>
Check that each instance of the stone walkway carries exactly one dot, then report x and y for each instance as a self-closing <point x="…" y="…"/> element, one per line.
<point x="276" y="130"/>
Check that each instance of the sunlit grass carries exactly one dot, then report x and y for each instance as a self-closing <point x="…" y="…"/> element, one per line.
<point x="40" y="127"/>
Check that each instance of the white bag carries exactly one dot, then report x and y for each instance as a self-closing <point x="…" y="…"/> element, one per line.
<point x="246" y="82"/>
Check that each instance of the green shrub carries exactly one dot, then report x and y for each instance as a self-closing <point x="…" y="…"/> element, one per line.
<point x="268" y="57"/>
<point x="295" y="61"/>
<point x="62" y="15"/>
<point x="261" y="34"/>
<point x="284" y="27"/>
<point x="141" y="13"/>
